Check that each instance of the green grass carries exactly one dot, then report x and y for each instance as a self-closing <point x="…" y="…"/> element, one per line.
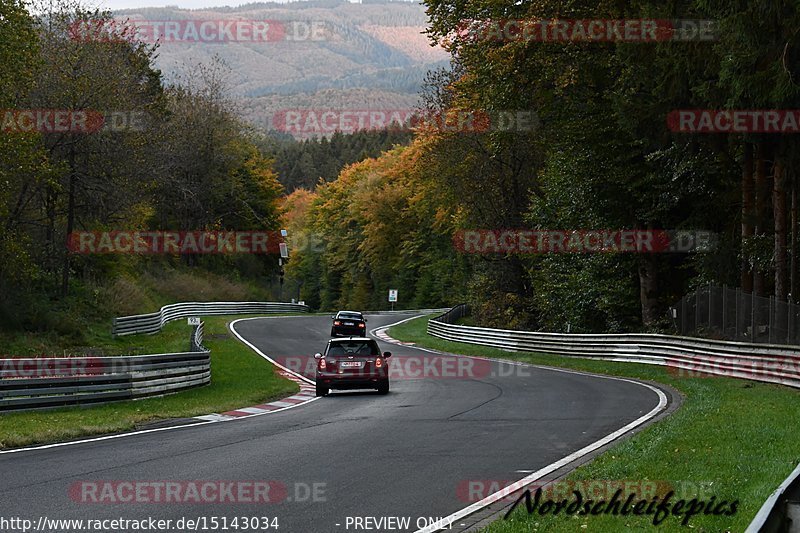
<point x="731" y="438"/>
<point x="239" y="378"/>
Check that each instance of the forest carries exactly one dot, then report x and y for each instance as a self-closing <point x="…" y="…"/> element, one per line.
<point x="606" y="156"/>
<point x="187" y="163"/>
<point x="374" y="211"/>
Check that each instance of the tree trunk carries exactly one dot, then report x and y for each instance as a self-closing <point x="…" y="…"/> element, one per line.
<point x="748" y="201"/>
<point x="70" y="224"/>
<point x="793" y="260"/>
<point x="50" y="201"/>
<point x="648" y="289"/>
<point x="762" y="194"/>
<point x="780" y="215"/>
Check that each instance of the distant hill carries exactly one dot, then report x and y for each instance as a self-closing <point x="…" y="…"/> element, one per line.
<point x="370" y="54"/>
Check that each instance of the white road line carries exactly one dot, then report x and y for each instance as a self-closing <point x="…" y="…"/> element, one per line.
<point x="262" y="354"/>
<point x="446" y="522"/>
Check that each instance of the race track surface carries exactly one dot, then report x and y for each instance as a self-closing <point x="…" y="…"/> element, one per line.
<point x="411" y="453"/>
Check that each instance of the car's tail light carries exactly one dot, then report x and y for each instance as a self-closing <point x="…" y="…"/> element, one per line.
<point x="378" y="362"/>
<point x="322" y="364"/>
<point x="361" y="325"/>
<point x="337" y="323"/>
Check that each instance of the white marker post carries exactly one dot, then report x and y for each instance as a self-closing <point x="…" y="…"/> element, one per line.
<point x="284" y="248"/>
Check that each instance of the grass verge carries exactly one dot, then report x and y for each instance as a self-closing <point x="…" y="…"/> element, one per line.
<point x="732" y="439"/>
<point x="239" y="377"/>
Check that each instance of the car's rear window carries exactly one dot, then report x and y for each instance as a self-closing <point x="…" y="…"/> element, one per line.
<point x="354" y="348"/>
<point x="351" y="316"/>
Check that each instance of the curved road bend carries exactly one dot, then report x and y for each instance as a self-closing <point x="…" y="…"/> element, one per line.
<point x="407" y="454"/>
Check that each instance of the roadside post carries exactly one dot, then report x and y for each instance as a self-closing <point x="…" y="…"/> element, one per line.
<point x="284" y="248"/>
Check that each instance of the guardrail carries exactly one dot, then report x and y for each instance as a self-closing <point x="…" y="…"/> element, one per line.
<point x="758" y="362"/>
<point x="154" y="322"/>
<point x="405" y="311"/>
<point x="35" y="383"/>
<point x="196" y="342"/>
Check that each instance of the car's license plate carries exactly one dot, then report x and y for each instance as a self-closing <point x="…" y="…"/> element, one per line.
<point x="350" y="364"/>
<point x="349" y="324"/>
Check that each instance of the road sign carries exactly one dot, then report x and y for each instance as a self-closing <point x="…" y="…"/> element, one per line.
<point x="284" y="233"/>
<point x="284" y="250"/>
<point x="392" y="295"/>
<point x="194" y="320"/>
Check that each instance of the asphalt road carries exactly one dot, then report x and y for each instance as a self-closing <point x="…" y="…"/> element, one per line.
<point x="408" y="454"/>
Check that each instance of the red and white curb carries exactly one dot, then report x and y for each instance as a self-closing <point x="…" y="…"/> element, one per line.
<point x="306" y="394"/>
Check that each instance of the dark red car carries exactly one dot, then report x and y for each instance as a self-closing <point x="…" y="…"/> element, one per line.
<point x="352" y="363"/>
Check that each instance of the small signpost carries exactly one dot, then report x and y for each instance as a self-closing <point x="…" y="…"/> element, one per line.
<point x="194" y="320"/>
<point x="284" y="248"/>
<point x="392" y="297"/>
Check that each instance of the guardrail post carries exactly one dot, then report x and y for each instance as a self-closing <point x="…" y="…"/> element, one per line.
<point x="736" y="311"/>
<point x="724" y="308"/>
<point x="772" y="313"/>
<point x="710" y="306"/>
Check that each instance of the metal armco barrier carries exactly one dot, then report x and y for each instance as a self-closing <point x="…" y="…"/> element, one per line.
<point x="758" y="362"/>
<point x="55" y="382"/>
<point x="196" y="344"/>
<point x="405" y="311"/>
<point x="154" y="322"/>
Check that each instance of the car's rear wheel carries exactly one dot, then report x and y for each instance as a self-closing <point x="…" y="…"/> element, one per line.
<point x="383" y="388"/>
<point x="322" y="391"/>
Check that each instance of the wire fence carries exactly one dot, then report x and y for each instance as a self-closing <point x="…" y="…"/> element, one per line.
<point x="724" y="313"/>
<point x="452" y="316"/>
